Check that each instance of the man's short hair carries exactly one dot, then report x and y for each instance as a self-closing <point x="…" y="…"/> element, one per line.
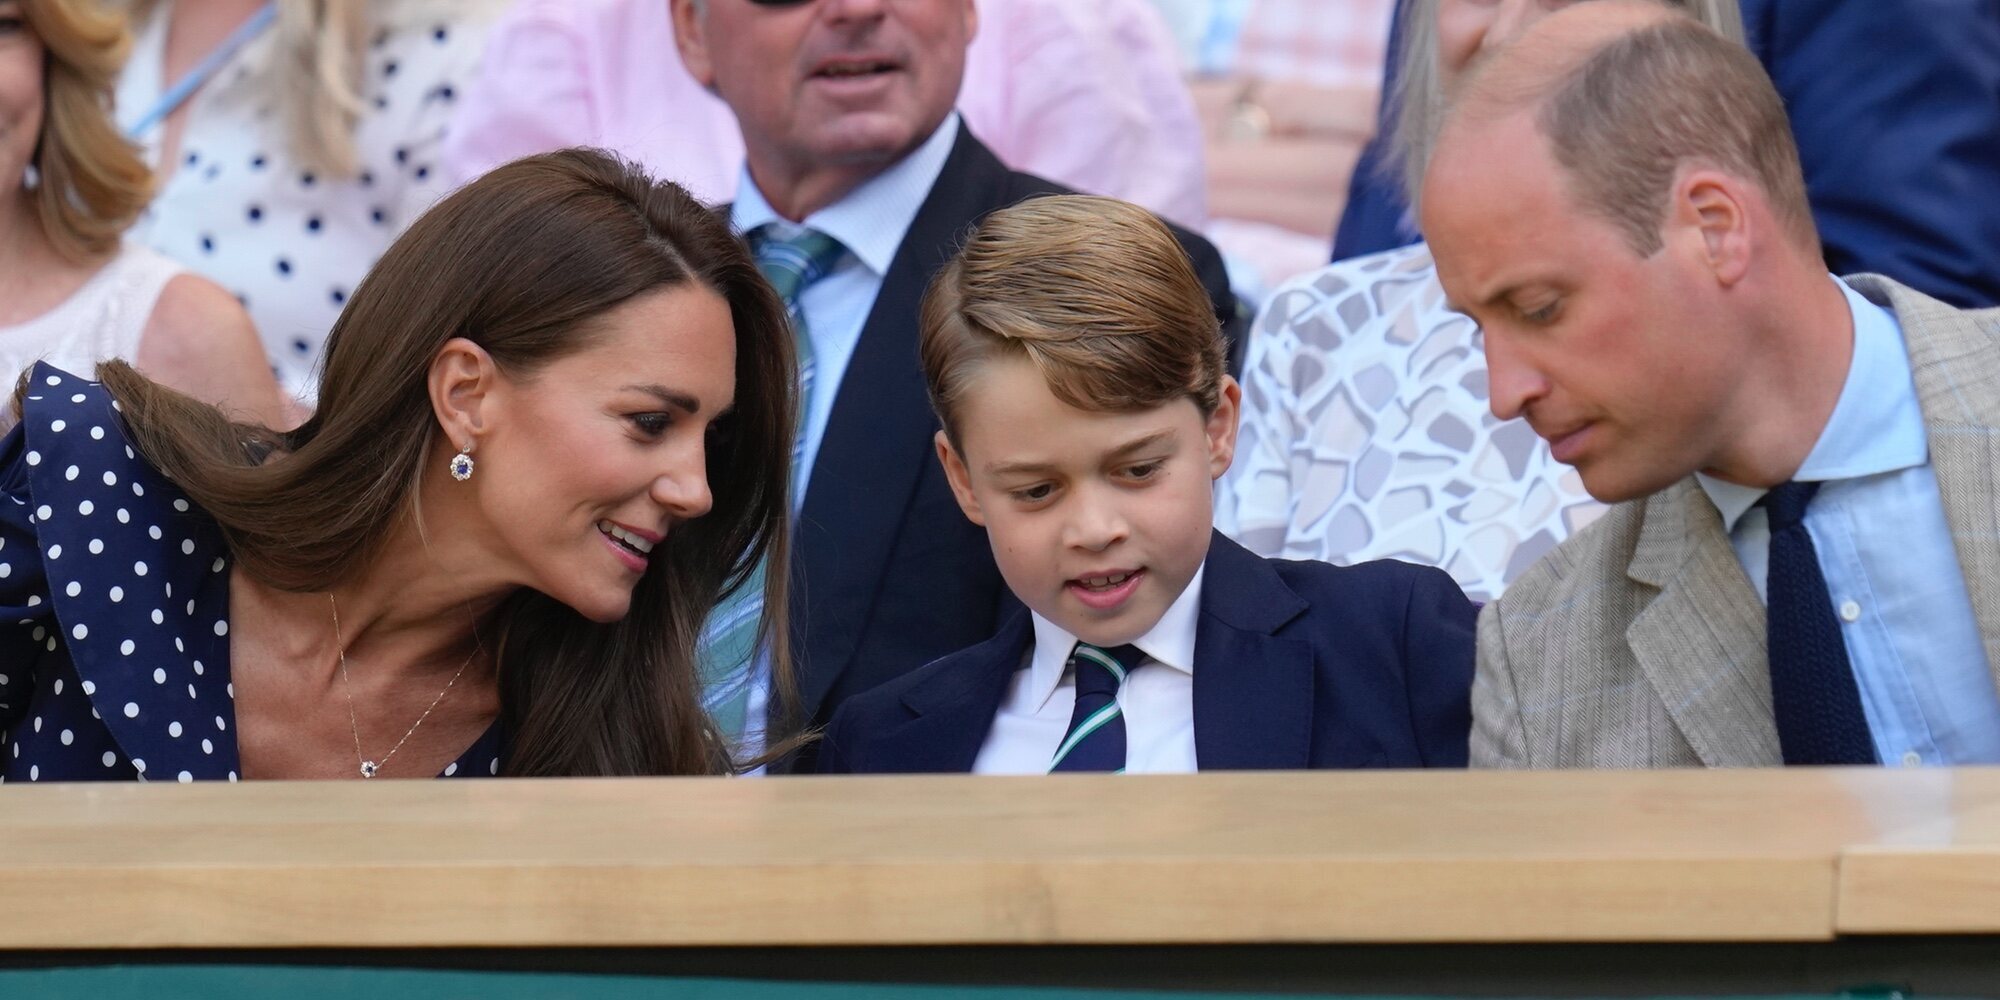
<point x="1095" y="292"/>
<point x="1625" y="120"/>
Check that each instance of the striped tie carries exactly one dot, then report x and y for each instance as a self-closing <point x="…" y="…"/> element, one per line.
<point x="1096" y="737"/>
<point x="729" y="641"/>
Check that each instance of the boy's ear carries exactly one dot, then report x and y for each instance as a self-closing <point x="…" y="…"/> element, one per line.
<point x="1222" y="428"/>
<point x="960" y="480"/>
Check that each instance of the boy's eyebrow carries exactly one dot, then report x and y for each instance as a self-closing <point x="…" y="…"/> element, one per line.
<point x="1123" y="451"/>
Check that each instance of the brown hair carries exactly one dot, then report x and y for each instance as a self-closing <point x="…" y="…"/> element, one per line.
<point x="1624" y="121"/>
<point x="93" y="183"/>
<point x="519" y="262"/>
<point x="1095" y="292"/>
<point x="1417" y="102"/>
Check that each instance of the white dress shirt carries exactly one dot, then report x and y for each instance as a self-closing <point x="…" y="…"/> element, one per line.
<point x="1891" y="569"/>
<point x="1156" y="700"/>
<point x="871" y="223"/>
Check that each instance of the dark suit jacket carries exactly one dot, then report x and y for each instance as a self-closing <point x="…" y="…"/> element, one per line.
<point x="1896" y="108"/>
<point x="888" y="574"/>
<point x="1297" y="665"/>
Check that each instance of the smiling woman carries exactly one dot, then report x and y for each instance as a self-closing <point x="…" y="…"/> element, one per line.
<point x="554" y="425"/>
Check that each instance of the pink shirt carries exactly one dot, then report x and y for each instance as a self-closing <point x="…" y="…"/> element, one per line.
<point x="1086" y="94"/>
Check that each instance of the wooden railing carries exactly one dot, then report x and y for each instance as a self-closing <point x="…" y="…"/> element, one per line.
<point x="1430" y="857"/>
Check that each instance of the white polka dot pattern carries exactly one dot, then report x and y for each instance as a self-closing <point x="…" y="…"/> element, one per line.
<point x="95" y="677"/>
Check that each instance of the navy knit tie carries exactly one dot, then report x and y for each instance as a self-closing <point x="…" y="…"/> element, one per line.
<point x="1813" y="694"/>
<point x="1096" y="737"/>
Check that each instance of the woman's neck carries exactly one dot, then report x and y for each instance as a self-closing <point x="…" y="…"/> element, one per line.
<point x="36" y="278"/>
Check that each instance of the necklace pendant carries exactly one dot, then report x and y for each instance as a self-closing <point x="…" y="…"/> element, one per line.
<point x="368" y="768"/>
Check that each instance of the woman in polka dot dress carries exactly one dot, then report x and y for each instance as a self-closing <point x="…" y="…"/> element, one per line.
<point x="554" y="420"/>
<point x="301" y="156"/>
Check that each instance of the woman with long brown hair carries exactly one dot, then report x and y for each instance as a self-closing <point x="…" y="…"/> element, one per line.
<point x="554" y="423"/>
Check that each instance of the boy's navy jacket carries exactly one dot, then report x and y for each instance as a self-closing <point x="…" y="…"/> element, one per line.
<point x="1297" y="665"/>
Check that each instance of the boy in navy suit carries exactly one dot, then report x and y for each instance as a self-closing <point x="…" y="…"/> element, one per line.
<point x="1077" y="368"/>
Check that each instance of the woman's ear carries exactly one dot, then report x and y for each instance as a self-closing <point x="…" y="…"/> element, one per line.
<point x="463" y="380"/>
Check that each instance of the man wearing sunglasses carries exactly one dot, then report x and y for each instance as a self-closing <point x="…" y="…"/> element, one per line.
<point x="859" y="181"/>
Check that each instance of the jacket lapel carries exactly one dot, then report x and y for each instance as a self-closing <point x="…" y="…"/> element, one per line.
<point x="146" y="648"/>
<point x="878" y="438"/>
<point x="1956" y="363"/>
<point x="1253" y="690"/>
<point x="953" y="708"/>
<point x="1700" y="641"/>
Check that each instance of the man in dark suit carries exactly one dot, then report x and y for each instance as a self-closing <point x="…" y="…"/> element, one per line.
<point x="1896" y="109"/>
<point x="860" y="180"/>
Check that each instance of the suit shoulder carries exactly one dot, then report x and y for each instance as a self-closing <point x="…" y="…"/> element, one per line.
<point x="1376" y="579"/>
<point x="1600" y="553"/>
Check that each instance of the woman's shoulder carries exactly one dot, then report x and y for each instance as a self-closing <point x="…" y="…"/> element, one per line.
<point x="1330" y="304"/>
<point x="76" y="457"/>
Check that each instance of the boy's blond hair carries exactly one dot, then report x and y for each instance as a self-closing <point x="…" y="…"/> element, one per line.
<point x="1095" y="292"/>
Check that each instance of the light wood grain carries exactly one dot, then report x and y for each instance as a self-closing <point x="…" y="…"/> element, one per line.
<point x="1324" y="857"/>
<point x="1936" y="873"/>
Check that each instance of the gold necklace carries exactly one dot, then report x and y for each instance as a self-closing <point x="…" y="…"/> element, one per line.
<point x="370" y="768"/>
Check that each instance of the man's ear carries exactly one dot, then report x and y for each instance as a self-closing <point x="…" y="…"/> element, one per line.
<point x="462" y="381"/>
<point x="1713" y="206"/>
<point x="960" y="480"/>
<point x="1221" y="427"/>
<point x="691" y="37"/>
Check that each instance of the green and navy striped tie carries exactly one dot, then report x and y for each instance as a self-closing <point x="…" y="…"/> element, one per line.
<point x="1096" y="737"/>
<point x="729" y="641"/>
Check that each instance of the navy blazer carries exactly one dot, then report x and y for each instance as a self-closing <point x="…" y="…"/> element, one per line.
<point x="1896" y="108"/>
<point x="1297" y="665"/>
<point x="888" y="574"/>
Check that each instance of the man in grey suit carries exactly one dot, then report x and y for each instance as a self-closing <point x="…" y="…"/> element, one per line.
<point x="1802" y="565"/>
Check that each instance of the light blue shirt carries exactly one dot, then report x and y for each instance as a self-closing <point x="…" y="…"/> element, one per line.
<point x="870" y="222"/>
<point x="1885" y="549"/>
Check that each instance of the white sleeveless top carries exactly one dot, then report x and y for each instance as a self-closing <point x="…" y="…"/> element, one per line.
<point x="103" y="319"/>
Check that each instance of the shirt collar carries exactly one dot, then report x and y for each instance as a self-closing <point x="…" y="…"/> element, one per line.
<point x="1170" y="642"/>
<point x="1877" y="426"/>
<point x="871" y="220"/>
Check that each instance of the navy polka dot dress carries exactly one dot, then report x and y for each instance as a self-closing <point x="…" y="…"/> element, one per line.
<point x="114" y="607"/>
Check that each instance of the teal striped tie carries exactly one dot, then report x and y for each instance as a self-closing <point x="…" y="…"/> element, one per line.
<point x="1096" y="737"/>
<point x="729" y="641"/>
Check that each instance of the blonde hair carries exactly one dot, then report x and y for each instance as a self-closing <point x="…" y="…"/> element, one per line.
<point x="93" y="182"/>
<point x="316" y="74"/>
<point x="1418" y="100"/>
<point x="1095" y="292"/>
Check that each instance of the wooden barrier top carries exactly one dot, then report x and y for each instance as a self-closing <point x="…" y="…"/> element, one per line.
<point x="1216" y="858"/>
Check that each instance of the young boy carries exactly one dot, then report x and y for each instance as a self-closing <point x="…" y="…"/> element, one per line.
<point x="1076" y="366"/>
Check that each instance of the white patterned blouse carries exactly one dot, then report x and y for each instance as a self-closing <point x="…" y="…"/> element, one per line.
<point x="240" y="210"/>
<point x="1366" y="435"/>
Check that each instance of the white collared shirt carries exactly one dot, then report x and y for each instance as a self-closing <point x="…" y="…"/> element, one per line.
<point x="871" y="223"/>
<point x="1156" y="700"/>
<point x="1886" y="551"/>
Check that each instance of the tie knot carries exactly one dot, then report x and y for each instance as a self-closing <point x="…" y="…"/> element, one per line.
<point x="1786" y="503"/>
<point x="793" y="262"/>
<point x="1100" y="670"/>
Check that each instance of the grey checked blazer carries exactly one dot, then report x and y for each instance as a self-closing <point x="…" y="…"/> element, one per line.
<point x="1640" y="642"/>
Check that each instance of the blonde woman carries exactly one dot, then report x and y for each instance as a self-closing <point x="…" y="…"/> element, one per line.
<point x="294" y="140"/>
<point x="72" y="293"/>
